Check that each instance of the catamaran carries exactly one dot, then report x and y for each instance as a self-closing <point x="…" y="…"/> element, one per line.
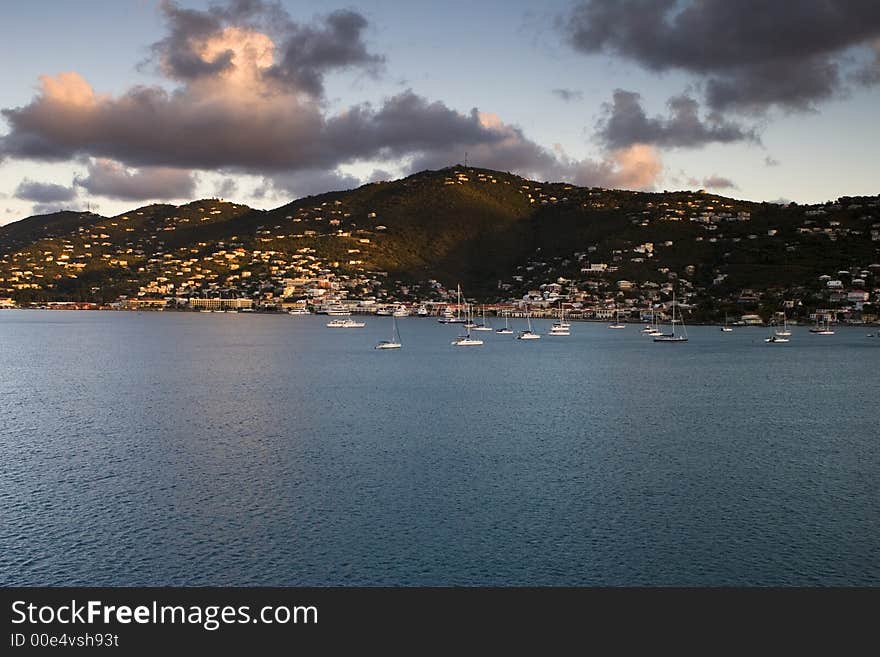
<point x="394" y="342"/>
<point x="528" y="334"/>
<point x="672" y="337"/>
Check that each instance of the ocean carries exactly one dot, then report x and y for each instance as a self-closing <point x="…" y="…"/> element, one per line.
<point x="248" y="449"/>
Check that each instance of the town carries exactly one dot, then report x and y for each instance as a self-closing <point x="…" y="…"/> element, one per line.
<point x="727" y="260"/>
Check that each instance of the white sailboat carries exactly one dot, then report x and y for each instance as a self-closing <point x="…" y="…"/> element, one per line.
<point x="394" y="342"/>
<point x="785" y="332"/>
<point x="672" y="337"/>
<point x="448" y="317"/>
<point x="617" y="324"/>
<point x="560" y="328"/>
<point x="485" y="325"/>
<point x="726" y="328"/>
<point x="528" y="334"/>
<point x="652" y="328"/>
<point x="822" y="328"/>
<point x="506" y="330"/>
<point x="466" y="340"/>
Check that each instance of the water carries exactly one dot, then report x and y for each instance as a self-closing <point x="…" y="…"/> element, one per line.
<point x="218" y="449"/>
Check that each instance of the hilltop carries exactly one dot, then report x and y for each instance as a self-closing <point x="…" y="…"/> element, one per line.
<point x="500" y="235"/>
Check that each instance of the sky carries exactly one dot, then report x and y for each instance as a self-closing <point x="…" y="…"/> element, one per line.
<point x="114" y="104"/>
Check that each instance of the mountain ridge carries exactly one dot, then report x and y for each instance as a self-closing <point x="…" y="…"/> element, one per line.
<point x="498" y="234"/>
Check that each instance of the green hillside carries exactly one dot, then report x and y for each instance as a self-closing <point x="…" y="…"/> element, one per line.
<point x="497" y="234"/>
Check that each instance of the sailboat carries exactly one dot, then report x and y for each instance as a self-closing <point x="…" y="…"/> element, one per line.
<point x="485" y="325"/>
<point x="466" y="340"/>
<point x="776" y="338"/>
<point x="447" y="315"/>
<point x="528" y="334"/>
<point x="652" y="328"/>
<point x="726" y="328"/>
<point x="506" y="330"/>
<point x="394" y="342"/>
<point x="617" y="324"/>
<point x="561" y="327"/>
<point x="822" y="329"/>
<point x="469" y="323"/>
<point x="672" y="337"/>
<point x="785" y="332"/>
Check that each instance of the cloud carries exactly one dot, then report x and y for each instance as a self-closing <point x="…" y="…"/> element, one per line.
<point x="568" y="95"/>
<point x="226" y="188"/>
<point x="771" y="161"/>
<point x="212" y="43"/>
<point x="637" y="166"/>
<point x="113" y="180"/>
<point x="718" y="182"/>
<point x="209" y="128"/>
<point x="31" y="190"/>
<point x="625" y="122"/>
<point x="750" y="55"/>
<point x="379" y="175"/>
<point x="869" y="74"/>
<point x="309" y="183"/>
<point x="243" y="94"/>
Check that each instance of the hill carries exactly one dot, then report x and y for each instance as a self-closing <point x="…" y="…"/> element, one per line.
<point x="499" y="235"/>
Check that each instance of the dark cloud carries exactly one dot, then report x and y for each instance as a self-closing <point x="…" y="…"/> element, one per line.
<point x="202" y="43"/>
<point x="568" y="95"/>
<point x="56" y="206"/>
<point x="150" y="127"/>
<point x="771" y="161"/>
<point x="635" y="167"/>
<point x="40" y="192"/>
<point x="379" y="175"/>
<point x="869" y="74"/>
<point x="226" y="188"/>
<point x="113" y="180"/>
<point x="248" y="106"/>
<point x="625" y="122"/>
<point x="309" y="183"/>
<point x="311" y="51"/>
<point x="752" y="54"/>
<point x="718" y="182"/>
